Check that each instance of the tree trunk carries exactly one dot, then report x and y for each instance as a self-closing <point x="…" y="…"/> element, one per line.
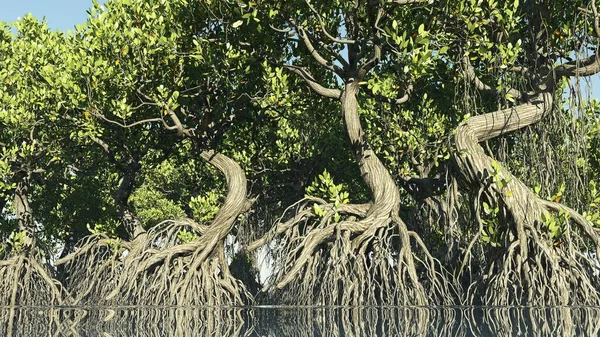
<point x="531" y="269"/>
<point x="236" y="201"/>
<point x="386" y="197"/>
<point x="24" y="216"/>
<point x="475" y="167"/>
<point x="133" y="226"/>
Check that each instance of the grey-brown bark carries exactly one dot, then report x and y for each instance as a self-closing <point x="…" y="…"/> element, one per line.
<point x="531" y="269"/>
<point x="132" y="224"/>
<point x="128" y="170"/>
<point x="25" y="280"/>
<point x="361" y="244"/>
<point x="370" y="246"/>
<point x="24" y="215"/>
<point x="194" y="272"/>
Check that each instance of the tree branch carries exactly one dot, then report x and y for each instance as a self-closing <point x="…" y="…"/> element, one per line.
<point x="377" y="50"/>
<point x="178" y="127"/>
<point x="396" y="101"/>
<point x="586" y="67"/>
<point x="408" y="2"/>
<point x="97" y="113"/>
<point x="472" y="77"/>
<point x="313" y="84"/>
<point x="325" y="32"/>
<point x="494" y="124"/>
<point x="596" y="19"/>
<point x="400" y="2"/>
<point x="106" y="149"/>
<point x="315" y="54"/>
<point x="333" y="53"/>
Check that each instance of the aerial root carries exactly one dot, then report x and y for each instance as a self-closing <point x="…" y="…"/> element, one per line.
<point x="536" y="269"/>
<point x="352" y="262"/>
<point x="165" y="270"/>
<point x="93" y="269"/>
<point x="530" y="264"/>
<point x="26" y="282"/>
<point x="154" y="269"/>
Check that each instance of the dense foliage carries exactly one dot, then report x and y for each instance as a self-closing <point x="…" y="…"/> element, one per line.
<point x="357" y="152"/>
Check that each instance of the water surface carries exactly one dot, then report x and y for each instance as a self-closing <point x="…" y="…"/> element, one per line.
<point x="300" y="321"/>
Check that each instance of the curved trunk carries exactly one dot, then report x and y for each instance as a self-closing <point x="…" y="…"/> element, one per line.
<point x="235" y="203"/>
<point x="475" y="166"/>
<point x="195" y="272"/>
<point x="476" y="169"/>
<point x="531" y="268"/>
<point x="386" y="197"/>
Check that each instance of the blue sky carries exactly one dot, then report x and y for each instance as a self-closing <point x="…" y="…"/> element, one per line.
<point x="60" y="14"/>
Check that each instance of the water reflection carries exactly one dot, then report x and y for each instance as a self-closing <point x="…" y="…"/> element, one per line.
<point x="300" y="322"/>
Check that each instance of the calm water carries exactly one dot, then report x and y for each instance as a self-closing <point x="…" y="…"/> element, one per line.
<point x="287" y="321"/>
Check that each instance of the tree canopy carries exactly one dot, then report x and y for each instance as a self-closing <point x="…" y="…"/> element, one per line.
<point x="366" y="152"/>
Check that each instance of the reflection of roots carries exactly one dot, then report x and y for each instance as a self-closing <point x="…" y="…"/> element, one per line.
<point x="539" y="321"/>
<point x="360" y="321"/>
<point x="166" y="321"/>
<point x="353" y="262"/>
<point x="165" y="271"/>
<point x="132" y="321"/>
<point x="36" y="321"/>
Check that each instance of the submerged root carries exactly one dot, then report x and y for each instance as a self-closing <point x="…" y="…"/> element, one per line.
<point x="366" y="261"/>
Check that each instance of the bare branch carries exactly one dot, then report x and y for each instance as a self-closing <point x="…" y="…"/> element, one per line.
<point x="315" y="54"/>
<point x="333" y="53"/>
<point x="377" y="48"/>
<point x="586" y="67"/>
<point x="104" y="146"/>
<point x="472" y="77"/>
<point x="325" y="32"/>
<point x="279" y="30"/>
<point x="596" y="17"/>
<point x="408" y="2"/>
<point x="313" y="84"/>
<point x="384" y="99"/>
<point x="181" y="130"/>
<point x="394" y="3"/>
<point x="98" y="114"/>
